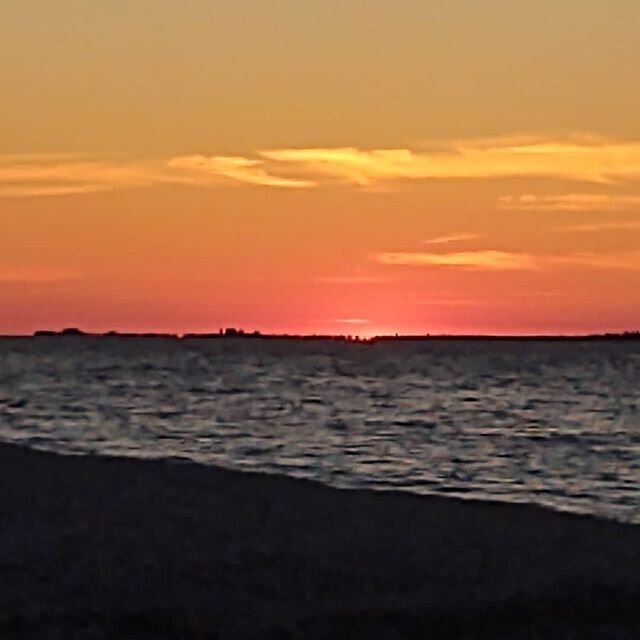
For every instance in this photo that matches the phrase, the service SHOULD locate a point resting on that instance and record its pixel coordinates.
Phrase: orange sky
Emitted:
(352, 167)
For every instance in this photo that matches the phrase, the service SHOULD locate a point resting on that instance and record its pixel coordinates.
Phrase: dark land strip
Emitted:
(103, 548)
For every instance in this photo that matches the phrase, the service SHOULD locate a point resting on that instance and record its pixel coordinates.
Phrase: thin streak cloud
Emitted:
(493, 260)
(570, 202)
(199, 170)
(455, 237)
(54, 174)
(486, 260)
(613, 225)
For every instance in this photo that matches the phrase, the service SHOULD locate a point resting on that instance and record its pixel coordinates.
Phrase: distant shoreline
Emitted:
(237, 334)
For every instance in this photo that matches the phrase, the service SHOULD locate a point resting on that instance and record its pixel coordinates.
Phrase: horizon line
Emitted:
(233, 333)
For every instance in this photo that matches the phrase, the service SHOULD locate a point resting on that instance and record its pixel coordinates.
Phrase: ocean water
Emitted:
(555, 423)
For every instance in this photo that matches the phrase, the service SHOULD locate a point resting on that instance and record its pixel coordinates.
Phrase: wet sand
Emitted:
(115, 548)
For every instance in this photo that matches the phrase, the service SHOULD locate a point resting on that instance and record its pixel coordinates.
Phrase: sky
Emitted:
(345, 166)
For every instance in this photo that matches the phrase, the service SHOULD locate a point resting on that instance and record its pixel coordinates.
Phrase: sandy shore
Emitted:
(113, 548)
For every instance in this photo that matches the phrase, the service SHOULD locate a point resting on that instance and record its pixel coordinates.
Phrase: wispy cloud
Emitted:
(199, 170)
(493, 260)
(454, 237)
(570, 202)
(355, 321)
(612, 225)
(59, 174)
(56, 174)
(37, 275)
(573, 157)
(583, 158)
(486, 260)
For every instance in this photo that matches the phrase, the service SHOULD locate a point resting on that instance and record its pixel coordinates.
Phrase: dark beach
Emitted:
(116, 548)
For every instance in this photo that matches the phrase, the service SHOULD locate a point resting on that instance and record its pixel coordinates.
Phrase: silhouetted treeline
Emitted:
(74, 332)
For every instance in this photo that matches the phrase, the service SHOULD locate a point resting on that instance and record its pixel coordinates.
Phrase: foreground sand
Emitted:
(112, 548)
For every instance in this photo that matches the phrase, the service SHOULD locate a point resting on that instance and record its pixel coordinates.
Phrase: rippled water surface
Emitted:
(551, 422)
